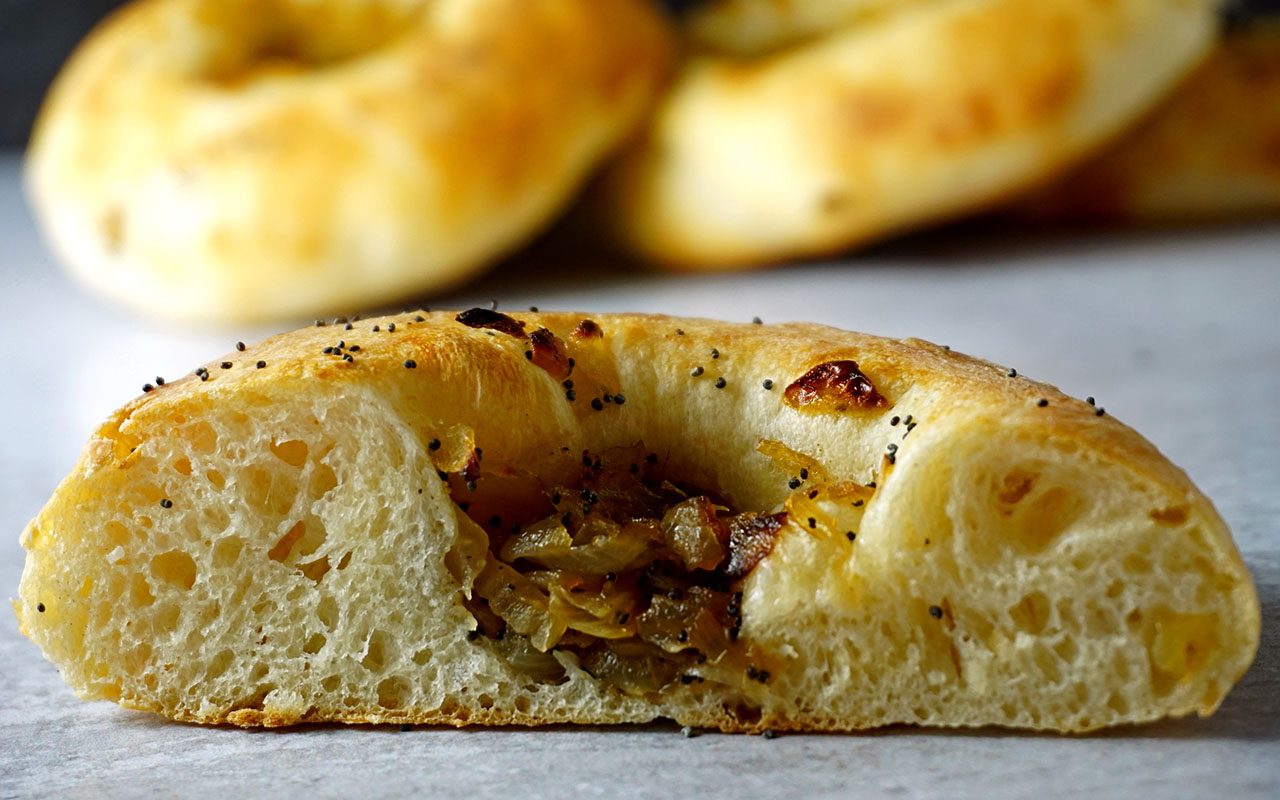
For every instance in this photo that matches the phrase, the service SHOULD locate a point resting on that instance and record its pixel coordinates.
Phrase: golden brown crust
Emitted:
(231, 160)
(437, 372)
(1211, 151)
(739, 168)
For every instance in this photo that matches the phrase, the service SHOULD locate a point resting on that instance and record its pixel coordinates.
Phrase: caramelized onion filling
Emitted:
(624, 574)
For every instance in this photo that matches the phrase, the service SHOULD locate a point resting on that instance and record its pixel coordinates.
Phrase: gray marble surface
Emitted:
(1177, 334)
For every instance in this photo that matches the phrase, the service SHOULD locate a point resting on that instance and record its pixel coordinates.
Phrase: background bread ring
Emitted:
(238, 160)
(1209, 152)
(900, 119)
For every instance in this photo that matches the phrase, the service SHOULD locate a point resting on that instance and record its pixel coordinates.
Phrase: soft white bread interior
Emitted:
(270, 541)
(857, 119)
(1210, 152)
(232, 159)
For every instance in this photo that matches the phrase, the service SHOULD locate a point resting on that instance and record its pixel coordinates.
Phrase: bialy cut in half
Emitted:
(478, 518)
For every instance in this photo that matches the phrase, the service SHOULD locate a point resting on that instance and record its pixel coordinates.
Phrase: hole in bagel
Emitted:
(284, 37)
(628, 572)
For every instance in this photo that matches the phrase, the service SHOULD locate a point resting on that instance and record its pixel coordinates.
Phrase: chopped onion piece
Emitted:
(469, 553)
(634, 667)
(520, 602)
(693, 621)
(610, 547)
(793, 462)
(695, 534)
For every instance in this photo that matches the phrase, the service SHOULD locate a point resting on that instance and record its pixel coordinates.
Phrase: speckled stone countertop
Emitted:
(1177, 334)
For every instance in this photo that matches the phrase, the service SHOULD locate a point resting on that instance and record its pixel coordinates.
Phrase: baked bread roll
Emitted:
(542, 518)
(1211, 152)
(895, 114)
(229, 160)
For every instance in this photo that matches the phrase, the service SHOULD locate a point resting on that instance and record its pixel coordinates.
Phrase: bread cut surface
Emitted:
(1210, 152)
(806, 129)
(296, 534)
(230, 160)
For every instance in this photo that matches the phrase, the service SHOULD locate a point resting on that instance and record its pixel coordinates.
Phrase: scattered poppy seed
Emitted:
(240, 346)
(40, 607)
(721, 383)
(935, 612)
(411, 364)
(225, 365)
(1042, 402)
(715, 353)
(794, 483)
(1012, 373)
(697, 371)
(159, 381)
(1091, 401)
(757, 321)
(433, 445)
(166, 503)
(1101, 411)
(850, 535)
(261, 364)
(768, 384)
(146, 387)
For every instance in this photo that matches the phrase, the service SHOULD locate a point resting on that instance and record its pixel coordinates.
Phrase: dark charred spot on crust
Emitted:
(833, 386)
(588, 329)
(488, 318)
(549, 354)
(751, 538)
